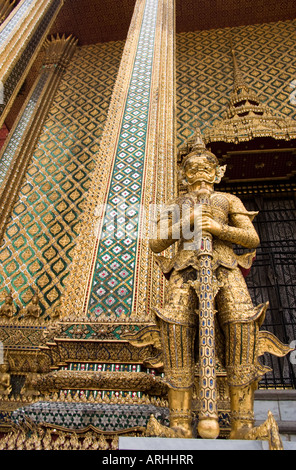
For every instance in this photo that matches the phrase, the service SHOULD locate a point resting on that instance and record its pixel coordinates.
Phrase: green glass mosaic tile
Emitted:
(112, 285)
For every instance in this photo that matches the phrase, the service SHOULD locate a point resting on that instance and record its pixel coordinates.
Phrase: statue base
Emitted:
(177, 445)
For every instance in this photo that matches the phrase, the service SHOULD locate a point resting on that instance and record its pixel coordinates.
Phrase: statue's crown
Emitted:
(198, 148)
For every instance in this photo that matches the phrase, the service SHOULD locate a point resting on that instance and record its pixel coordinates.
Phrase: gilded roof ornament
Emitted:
(246, 117)
(59, 50)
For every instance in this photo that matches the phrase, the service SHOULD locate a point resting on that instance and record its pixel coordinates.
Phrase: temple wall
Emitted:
(40, 237)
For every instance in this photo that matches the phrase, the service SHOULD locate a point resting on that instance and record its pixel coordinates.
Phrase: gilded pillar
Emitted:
(21, 37)
(16, 153)
(112, 276)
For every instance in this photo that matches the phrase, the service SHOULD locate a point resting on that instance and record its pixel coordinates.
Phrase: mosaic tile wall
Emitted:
(101, 416)
(39, 240)
(38, 243)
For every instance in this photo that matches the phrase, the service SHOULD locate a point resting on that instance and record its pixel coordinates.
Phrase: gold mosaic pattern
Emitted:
(267, 59)
(38, 243)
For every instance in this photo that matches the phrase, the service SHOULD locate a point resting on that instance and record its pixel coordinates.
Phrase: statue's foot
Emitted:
(155, 429)
(267, 431)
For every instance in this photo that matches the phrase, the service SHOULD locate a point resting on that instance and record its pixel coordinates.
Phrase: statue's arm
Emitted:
(240, 229)
(166, 232)
(241, 233)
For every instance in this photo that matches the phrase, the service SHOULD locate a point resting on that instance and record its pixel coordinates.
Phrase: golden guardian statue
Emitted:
(207, 293)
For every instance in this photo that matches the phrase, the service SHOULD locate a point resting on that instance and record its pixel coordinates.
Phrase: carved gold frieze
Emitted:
(30, 436)
(86, 380)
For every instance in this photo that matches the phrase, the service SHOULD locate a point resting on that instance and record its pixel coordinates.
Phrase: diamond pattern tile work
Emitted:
(38, 243)
(104, 417)
(80, 415)
(267, 58)
(112, 285)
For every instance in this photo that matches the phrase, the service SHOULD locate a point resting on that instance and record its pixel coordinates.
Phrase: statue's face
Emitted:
(198, 169)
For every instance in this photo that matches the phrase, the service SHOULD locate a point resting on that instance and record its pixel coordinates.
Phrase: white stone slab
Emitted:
(171, 444)
(289, 445)
(287, 410)
(261, 409)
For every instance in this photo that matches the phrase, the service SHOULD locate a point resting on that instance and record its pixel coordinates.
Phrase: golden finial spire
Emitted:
(238, 79)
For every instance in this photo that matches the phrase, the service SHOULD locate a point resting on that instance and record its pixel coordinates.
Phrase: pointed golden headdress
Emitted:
(197, 147)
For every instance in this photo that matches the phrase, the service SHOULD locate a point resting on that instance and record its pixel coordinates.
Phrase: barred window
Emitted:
(273, 279)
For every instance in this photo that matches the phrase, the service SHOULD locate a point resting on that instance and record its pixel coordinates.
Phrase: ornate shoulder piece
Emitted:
(238, 208)
(250, 214)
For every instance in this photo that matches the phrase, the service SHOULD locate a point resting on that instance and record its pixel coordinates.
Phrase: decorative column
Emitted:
(16, 153)
(21, 37)
(113, 276)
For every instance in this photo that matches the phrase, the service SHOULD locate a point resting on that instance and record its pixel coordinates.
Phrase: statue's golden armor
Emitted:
(233, 301)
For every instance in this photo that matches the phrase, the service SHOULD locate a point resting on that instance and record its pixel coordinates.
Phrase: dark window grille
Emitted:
(273, 279)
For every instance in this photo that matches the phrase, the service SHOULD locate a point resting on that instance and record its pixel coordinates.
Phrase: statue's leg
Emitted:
(240, 323)
(180, 405)
(177, 323)
(242, 410)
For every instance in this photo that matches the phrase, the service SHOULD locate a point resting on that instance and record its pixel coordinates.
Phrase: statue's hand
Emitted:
(208, 223)
(211, 225)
